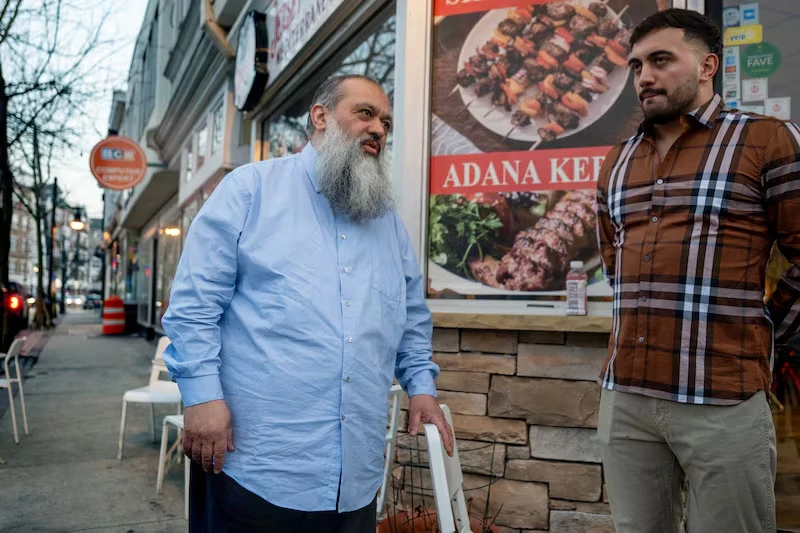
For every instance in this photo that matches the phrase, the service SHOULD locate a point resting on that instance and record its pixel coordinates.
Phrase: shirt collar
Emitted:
(309, 159)
(705, 115)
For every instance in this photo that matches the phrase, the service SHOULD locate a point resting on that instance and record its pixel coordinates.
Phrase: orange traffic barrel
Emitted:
(113, 316)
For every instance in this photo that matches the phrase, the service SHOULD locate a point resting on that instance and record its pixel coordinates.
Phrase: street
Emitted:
(64, 475)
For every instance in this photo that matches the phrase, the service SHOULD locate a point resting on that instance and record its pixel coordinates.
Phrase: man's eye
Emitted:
(366, 112)
(387, 126)
(661, 60)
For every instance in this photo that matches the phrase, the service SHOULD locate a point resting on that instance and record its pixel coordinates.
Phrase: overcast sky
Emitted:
(73, 172)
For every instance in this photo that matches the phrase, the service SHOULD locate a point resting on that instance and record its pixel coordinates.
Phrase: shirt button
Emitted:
(349, 339)
(344, 270)
(643, 298)
(655, 219)
(660, 181)
(344, 236)
(342, 418)
(347, 304)
(646, 258)
(641, 339)
(347, 379)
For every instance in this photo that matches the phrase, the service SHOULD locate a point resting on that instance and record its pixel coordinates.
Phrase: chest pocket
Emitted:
(387, 272)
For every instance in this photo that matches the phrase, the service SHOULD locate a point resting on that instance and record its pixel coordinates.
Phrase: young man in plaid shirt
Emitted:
(688, 211)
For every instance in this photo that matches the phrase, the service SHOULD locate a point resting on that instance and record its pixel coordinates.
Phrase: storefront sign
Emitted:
(118, 163)
(760, 60)
(780, 108)
(523, 116)
(250, 77)
(730, 17)
(754, 90)
(731, 79)
(748, 14)
(291, 23)
(744, 35)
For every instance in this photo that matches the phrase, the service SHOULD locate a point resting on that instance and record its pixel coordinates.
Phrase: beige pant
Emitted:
(726, 453)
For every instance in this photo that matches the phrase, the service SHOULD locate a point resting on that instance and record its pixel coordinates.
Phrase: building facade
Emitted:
(518, 375)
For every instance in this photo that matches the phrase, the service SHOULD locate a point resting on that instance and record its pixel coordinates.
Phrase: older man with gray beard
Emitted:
(296, 302)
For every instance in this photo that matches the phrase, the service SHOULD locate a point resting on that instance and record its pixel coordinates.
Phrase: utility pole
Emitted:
(62, 305)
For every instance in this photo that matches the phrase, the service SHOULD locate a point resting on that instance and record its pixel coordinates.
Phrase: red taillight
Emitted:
(14, 302)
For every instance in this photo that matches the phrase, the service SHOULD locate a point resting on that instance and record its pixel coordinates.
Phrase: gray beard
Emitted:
(356, 184)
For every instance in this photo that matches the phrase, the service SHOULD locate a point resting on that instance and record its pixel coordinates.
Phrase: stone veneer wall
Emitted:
(534, 394)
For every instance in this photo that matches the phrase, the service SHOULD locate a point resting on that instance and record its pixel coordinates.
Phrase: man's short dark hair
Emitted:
(330, 93)
(696, 27)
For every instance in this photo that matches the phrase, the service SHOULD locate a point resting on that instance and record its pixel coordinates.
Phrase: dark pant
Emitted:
(218, 504)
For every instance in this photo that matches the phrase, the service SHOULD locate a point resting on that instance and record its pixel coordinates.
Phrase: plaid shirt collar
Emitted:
(705, 115)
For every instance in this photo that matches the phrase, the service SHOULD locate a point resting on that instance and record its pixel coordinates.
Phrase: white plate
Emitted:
(499, 121)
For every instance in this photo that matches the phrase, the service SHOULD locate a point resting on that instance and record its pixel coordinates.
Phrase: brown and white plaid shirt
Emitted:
(685, 243)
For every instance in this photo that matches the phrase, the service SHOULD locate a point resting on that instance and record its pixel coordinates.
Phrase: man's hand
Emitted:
(208, 434)
(423, 408)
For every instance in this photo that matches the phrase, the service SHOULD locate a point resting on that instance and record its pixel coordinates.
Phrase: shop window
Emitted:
(189, 162)
(145, 280)
(373, 56)
(217, 127)
(202, 145)
(169, 251)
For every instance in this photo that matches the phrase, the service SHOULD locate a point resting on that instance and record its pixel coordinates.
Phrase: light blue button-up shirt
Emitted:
(299, 319)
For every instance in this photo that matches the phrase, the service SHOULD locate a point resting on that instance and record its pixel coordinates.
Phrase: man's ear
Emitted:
(319, 117)
(709, 67)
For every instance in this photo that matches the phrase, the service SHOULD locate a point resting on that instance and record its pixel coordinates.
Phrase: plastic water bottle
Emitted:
(577, 280)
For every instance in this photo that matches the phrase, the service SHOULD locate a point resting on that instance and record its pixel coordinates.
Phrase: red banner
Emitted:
(445, 8)
(545, 170)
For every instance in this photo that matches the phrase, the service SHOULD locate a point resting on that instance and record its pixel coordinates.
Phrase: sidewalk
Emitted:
(64, 475)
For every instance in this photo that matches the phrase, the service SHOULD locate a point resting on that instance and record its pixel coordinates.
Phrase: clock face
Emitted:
(245, 63)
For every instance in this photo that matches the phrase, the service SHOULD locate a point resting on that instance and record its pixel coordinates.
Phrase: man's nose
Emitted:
(646, 78)
(376, 128)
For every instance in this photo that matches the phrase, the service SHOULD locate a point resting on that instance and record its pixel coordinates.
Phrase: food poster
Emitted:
(527, 99)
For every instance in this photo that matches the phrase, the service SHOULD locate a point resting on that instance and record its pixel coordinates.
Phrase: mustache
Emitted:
(647, 93)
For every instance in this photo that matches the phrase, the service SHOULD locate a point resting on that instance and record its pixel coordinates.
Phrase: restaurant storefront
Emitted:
(476, 164)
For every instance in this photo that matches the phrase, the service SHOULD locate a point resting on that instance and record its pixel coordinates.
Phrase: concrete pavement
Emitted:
(64, 475)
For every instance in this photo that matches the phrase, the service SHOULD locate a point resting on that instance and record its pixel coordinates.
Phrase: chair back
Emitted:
(391, 442)
(159, 366)
(447, 480)
(13, 353)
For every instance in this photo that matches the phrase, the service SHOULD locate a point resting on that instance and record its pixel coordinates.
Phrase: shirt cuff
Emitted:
(200, 389)
(421, 383)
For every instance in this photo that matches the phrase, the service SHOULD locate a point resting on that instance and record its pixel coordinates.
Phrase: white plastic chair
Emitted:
(157, 391)
(166, 455)
(391, 442)
(447, 481)
(8, 381)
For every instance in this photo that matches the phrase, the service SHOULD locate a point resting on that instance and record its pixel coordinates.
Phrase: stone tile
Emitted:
(563, 505)
(489, 340)
(542, 337)
(524, 505)
(596, 340)
(490, 429)
(574, 522)
(476, 362)
(563, 362)
(445, 340)
(565, 444)
(518, 452)
(567, 481)
(593, 508)
(463, 381)
(547, 402)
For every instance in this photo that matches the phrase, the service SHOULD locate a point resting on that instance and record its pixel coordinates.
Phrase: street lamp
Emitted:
(77, 224)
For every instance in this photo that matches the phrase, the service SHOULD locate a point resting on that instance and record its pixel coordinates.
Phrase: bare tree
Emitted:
(51, 54)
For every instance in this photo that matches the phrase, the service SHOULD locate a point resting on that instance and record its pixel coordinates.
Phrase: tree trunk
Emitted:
(6, 183)
(42, 317)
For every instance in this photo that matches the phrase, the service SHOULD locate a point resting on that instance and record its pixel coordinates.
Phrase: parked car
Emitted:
(15, 304)
(93, 301)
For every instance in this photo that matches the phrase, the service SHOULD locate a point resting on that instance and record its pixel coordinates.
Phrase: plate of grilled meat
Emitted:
(544, 71)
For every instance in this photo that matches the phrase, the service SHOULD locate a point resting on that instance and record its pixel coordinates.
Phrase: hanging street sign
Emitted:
(118, 163)
(250, 73)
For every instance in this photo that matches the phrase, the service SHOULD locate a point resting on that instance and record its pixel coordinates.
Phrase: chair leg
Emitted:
(22, 401)
(153, 421)
(122, 429)
(162, 457)
(186, 490)
(13, 414)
